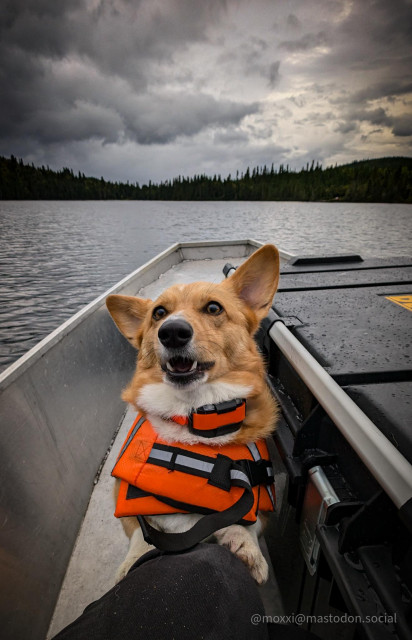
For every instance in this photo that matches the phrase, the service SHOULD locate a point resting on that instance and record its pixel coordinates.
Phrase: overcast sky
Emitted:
(150, 89)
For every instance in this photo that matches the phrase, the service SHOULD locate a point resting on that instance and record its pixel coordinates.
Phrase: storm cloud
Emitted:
(148, 89)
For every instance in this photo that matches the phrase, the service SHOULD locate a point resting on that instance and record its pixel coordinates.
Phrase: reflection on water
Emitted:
(57, 256)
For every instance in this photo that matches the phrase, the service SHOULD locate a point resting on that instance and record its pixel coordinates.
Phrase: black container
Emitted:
(354, 316)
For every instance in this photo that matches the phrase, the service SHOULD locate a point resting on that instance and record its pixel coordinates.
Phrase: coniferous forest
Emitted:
(379, 180)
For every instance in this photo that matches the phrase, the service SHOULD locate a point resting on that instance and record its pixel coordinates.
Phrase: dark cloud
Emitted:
(375, 36)
(402, 126)
(346, 127)
(274, 73)
(399, 125)
(306, 42)
(293, 21)
(162, 119)
(148, 119)
(108, 31)
(251, 58)
(386, 89)
(179, 82)
(75, 74)
(119, 38)
(377, 116)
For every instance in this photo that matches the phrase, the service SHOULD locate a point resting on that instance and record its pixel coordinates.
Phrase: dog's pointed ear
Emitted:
(128, 313)
(256, 280)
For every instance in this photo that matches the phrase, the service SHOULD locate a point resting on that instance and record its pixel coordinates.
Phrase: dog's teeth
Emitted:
(194, 365)
(169, 366)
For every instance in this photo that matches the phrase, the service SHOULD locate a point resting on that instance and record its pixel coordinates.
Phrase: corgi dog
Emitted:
(196, 347)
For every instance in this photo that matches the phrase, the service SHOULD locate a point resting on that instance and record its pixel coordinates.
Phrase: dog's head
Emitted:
(201, 333)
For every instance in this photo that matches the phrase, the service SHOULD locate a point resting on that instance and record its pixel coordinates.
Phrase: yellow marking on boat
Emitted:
(403, 301)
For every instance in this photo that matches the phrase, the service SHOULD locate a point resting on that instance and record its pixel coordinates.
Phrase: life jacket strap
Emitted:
(208, 524)
(254, 450)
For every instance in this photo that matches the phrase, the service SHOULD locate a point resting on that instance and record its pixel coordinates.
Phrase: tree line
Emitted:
(378, 180)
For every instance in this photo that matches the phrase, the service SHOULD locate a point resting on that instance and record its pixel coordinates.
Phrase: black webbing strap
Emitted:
(216, 469)
(206, 526)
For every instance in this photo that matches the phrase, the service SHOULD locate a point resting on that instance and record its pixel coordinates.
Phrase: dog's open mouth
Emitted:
(185, 370)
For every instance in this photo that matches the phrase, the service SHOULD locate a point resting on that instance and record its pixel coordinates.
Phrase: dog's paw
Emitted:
(237, 539)
(260, 570)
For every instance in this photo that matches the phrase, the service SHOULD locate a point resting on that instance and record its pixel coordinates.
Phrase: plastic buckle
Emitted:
(256, 471)
(220, 407)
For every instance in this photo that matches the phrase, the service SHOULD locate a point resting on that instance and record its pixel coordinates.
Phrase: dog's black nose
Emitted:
(174, 334)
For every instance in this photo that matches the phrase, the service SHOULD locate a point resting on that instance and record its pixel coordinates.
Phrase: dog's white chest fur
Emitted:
(162, 401)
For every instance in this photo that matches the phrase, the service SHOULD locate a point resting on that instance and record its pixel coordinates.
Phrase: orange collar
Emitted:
(213, 420)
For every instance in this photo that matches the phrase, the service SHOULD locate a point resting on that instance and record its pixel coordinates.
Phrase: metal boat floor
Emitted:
(101, 544)
(100, 547)
(188, 271)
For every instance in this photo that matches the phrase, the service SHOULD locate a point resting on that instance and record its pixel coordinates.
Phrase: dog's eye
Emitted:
(213, 308)
(159, 313)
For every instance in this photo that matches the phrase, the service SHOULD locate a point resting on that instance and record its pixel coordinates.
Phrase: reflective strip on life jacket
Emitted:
(174, 458)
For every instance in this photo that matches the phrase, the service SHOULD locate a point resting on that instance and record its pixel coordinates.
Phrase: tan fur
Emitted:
(225, 339)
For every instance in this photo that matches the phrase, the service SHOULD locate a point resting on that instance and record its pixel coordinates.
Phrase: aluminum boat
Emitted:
(337, 344)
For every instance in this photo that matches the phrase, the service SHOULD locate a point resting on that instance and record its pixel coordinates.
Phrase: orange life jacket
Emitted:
(228, 483)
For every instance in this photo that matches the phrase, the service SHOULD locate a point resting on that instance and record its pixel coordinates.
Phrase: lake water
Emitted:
(56, 257)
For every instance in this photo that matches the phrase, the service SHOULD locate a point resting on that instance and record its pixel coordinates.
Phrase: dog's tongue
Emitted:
(180, 365)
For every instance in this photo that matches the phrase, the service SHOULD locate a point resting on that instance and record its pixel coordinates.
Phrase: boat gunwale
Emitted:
(386, 463)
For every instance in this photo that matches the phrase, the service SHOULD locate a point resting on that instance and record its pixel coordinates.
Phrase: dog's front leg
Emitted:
(137, 547)
(243, 542)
